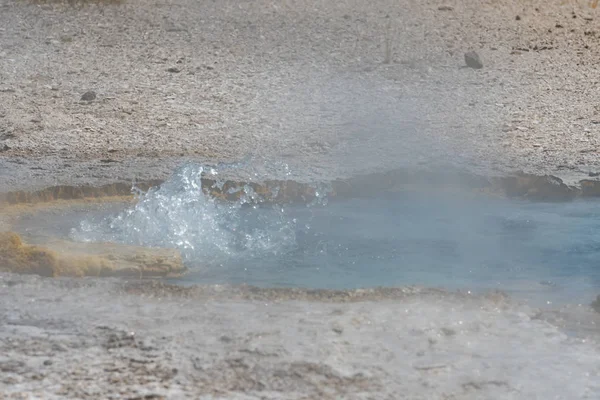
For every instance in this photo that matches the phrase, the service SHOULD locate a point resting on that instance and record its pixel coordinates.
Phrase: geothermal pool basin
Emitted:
(542, 252)
(410, 305)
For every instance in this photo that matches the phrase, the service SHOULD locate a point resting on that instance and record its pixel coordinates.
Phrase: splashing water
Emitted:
(546, 251)
(207, 231)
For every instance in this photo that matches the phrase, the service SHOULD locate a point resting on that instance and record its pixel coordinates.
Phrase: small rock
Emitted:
(337, 329)
(48, 362)
(596, 304)
(518, 18)
(472, 60)
(225, 339)
(445, 8)
(448, 331)
(174, 70)
(89, 96)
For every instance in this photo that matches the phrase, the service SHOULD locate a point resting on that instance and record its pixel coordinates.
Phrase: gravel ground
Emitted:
(325, 90)
(90, 339)
(330, 88)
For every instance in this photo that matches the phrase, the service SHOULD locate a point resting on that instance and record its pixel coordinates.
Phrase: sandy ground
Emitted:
(90, 339)
(329, 88)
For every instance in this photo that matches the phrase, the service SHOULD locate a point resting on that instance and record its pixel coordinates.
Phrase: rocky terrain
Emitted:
(102, 92)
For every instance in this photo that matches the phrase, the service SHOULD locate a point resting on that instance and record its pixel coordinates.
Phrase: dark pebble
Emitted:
(473, 61)
(89, 96)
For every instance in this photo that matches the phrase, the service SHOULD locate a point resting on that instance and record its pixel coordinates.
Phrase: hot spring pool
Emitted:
(544, 252)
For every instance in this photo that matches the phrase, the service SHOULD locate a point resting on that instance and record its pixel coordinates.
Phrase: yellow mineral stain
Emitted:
(63, 258)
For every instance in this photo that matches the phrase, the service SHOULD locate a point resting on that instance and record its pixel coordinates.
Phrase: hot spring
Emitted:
(543, 252)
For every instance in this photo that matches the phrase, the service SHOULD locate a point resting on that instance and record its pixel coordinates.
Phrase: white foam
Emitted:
(178, 214)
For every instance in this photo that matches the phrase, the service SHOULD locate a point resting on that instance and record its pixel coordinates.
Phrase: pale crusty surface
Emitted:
(93, 338)
(309, 83)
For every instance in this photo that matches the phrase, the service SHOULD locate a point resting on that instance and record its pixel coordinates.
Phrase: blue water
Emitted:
(426, 239)
(550, 251)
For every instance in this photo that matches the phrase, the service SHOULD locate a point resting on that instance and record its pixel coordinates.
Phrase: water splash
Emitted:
(180, 214)
(546, 253)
